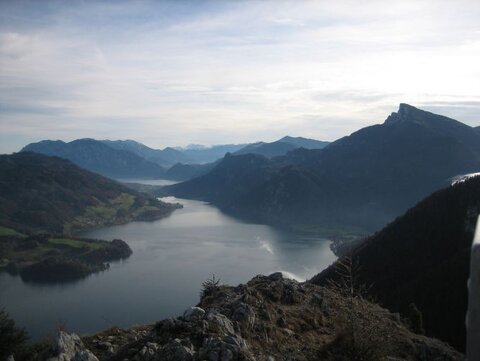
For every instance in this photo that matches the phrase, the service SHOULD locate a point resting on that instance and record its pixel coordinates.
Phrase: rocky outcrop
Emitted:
(69, 347)
(193, 314)
(272, 318)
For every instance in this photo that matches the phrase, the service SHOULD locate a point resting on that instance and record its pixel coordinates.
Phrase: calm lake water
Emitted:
(171, 258)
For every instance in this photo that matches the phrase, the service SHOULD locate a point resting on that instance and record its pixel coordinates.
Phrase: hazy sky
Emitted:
(179, 72)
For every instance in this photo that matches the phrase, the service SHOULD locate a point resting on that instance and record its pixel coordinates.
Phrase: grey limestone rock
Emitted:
(176, 350)
(193, 314)
(69, 347)
(275, 276)
(221, 322)
(244, 314)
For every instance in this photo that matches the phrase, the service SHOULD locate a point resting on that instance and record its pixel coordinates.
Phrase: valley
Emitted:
(361, 181)
(45, 201)
(241, 180)
(264, 208)
(170, 260)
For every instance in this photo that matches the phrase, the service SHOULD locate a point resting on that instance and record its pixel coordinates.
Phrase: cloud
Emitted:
(172, 73)
(467, 110)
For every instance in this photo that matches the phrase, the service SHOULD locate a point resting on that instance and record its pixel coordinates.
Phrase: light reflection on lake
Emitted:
(152, 182)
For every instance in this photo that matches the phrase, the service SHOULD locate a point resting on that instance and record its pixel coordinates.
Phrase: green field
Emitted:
(75, 243)
(53, 246)
(4, 231)
(121, 209)
(102, 213)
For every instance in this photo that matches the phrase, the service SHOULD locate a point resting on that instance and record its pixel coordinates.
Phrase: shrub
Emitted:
(414, 319)
(12, 339)
(209, 286)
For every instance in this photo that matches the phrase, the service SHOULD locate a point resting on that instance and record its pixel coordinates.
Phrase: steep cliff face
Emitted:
(271, 318)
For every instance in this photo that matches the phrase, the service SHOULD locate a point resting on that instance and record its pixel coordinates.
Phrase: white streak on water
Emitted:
(169, 199)
(264, 244)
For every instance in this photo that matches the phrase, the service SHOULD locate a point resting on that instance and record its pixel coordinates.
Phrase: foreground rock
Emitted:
(68, 347)
(272, 318)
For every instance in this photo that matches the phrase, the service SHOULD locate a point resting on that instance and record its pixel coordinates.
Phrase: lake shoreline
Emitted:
(44, 258)
(171, 258)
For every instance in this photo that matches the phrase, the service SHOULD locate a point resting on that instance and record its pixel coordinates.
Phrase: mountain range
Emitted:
(423, 258)
(418, 265)
(361, 181)
(98, 157)
(128, 159)
(202, 155)
(165, 158)
(281, 146)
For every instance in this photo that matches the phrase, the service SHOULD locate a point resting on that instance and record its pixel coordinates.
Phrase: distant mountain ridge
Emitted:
(165, 158)
(307, 143)
(129, 159)
(363, 180)
(281, 146)
(201, 155)
(268, 150)
(100, 158)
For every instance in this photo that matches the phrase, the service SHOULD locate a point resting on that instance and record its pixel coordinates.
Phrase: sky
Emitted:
(171, 73)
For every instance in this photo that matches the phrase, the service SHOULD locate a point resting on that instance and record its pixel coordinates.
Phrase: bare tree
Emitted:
(357, 337)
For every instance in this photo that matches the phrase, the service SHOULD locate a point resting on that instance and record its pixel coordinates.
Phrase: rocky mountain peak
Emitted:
(405, 113)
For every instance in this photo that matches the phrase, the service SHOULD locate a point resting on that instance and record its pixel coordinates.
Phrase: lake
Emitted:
(171, 258)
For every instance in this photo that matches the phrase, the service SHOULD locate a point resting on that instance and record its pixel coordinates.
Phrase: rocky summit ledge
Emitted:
(269, 318)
